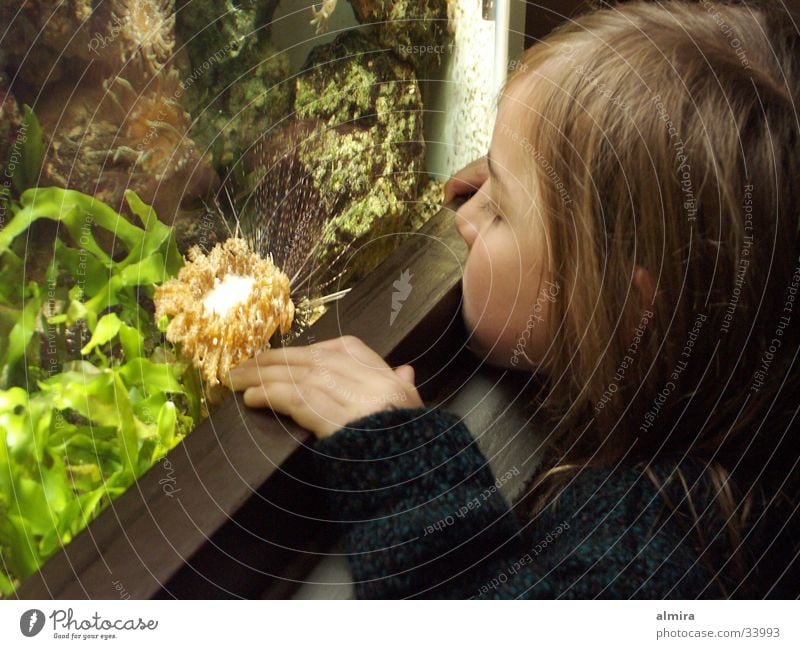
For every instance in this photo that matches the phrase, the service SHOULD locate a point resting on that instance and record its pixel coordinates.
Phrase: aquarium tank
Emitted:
(152, 151)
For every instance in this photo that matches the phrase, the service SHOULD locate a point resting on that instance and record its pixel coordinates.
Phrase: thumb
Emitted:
(406, 373)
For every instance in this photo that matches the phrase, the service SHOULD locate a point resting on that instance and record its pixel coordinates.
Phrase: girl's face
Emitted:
(506, 290)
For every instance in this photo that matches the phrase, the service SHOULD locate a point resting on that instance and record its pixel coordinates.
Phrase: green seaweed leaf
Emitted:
(29, 142)
(75, 437)
(106, 329)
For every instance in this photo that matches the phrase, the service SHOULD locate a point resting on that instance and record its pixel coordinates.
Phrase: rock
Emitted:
(45, 39)
(416, 30)
(367, 160)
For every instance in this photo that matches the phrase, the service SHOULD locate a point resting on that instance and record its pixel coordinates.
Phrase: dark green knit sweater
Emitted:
(426, 519)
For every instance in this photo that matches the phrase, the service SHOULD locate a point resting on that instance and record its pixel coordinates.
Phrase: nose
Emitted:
(466, 229)
(470, 219)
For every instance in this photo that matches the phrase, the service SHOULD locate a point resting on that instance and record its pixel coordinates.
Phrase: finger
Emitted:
(353, 348)
(244, 377)
(312, 410)
(467, 180)
(300, 355)
(308, 354)
(405, 373)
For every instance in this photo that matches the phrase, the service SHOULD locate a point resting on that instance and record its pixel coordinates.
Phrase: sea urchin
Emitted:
(225, 307)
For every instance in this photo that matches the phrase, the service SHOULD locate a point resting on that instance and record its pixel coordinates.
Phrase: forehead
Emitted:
(527, 93)
(511, 146)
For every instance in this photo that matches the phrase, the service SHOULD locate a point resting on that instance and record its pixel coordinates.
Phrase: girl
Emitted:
(645, 163)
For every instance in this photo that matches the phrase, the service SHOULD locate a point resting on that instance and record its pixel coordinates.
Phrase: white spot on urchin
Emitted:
(226, 294)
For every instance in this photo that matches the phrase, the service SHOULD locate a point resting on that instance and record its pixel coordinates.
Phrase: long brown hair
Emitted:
(665, 136)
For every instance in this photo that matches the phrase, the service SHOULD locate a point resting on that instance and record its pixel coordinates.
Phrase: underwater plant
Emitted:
(91, 395)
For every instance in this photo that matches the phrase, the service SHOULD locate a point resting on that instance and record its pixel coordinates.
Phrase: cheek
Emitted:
(490, 290)
(500, 307)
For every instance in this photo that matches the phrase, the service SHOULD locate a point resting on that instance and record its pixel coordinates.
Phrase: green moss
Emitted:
(368, 165)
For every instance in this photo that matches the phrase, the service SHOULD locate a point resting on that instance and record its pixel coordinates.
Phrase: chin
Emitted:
(487, 349)
(498, 353)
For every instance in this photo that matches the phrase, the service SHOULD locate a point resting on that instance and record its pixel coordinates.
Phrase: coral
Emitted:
(219, 337)
(142, 35)
(54, 41)
(121, 125)
(367, 162)
(113, 137)
(285, 212)
(405, 25)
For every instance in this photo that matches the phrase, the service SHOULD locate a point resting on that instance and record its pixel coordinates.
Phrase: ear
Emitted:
(643, 281)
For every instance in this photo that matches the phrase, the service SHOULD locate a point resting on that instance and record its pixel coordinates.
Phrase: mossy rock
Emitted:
(416, 30)
(367, 159)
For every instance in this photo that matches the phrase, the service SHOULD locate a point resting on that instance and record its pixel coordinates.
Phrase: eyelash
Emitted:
(489, 208)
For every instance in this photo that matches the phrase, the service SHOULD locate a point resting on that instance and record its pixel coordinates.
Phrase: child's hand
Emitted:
(326, 385)
(468, 180)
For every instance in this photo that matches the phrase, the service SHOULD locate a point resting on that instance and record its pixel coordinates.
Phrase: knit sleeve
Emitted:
(417, 499)
(423, 517)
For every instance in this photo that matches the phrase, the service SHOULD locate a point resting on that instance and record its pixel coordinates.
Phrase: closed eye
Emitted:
(490, 209)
